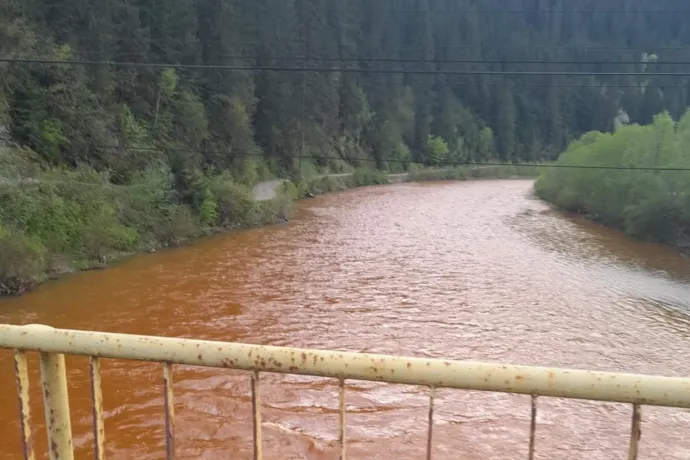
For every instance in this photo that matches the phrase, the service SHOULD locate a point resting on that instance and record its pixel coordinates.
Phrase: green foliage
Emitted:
(366, 176)
(646, 204)
(22, 262)
(320, 185)
(177, 227)
(52, 139)
(208, 210)
(62, 219)
(437, 150)
(278, 209)
(418, 174)
(290, 189)
(236, 205)
(486, 143)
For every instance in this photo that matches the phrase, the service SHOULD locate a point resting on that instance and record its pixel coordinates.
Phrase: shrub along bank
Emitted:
(54, 221)
(629, 192)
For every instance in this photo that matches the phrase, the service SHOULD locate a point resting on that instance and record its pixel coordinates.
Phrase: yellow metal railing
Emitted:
(54, 344)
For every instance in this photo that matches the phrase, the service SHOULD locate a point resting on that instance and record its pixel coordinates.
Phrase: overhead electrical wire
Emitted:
(529, 10)
(448, 61)
(339, 69)
(301, 59)
(446, 163)
(640, 48)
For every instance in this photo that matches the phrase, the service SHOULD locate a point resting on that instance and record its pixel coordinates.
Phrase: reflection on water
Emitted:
(475, 270)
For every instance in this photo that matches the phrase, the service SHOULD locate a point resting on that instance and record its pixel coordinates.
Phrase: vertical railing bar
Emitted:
(533, 428)
(21, 371)
(256, 410)
(341, 400)
(432, 396)
(97, 408)
(636, 432)
(56, 402)
(169, 411)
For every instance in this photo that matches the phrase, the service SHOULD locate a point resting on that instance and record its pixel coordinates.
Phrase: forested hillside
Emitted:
(125, 124)
(97, 114)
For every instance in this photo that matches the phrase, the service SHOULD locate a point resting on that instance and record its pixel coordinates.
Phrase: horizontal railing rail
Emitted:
(54, 344)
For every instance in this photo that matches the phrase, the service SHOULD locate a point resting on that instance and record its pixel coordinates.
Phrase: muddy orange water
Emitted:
(474, 270)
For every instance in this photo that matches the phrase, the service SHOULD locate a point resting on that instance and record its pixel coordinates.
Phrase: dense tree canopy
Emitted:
(232, 119)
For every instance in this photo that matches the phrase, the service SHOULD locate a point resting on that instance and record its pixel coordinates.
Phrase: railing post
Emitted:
(341, 424)
(532, 428)
(97, 403)
(169, 411)
(256, 411)
(429, 439)
(636, 432)
(56, 401)
(21, 369)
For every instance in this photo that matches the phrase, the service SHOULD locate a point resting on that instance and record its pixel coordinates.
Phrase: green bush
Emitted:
(23, 261)
(290, 189)
(236, 204)
(146, 203)
(647, 204)
(98, 241)
(365, 176)
(178, 227)
(321, 185)
(208, 212)
(278, 209)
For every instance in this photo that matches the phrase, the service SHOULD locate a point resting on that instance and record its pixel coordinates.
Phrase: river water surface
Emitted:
(466, 270)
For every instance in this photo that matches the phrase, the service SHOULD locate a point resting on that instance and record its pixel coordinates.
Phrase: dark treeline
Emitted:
(103, 158)
(70, 114)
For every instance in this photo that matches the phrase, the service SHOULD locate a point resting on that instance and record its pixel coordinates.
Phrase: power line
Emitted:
(468, 47)
(453, 61)
(421, 61)
(527, 10)
(566, 47)
(447, 163)
(584, 85)
(343, 70)
(403, 71)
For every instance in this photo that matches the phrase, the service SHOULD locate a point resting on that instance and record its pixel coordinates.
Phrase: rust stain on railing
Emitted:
(53, 344)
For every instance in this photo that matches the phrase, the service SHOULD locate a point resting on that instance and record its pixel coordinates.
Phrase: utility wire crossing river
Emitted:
(466, 270)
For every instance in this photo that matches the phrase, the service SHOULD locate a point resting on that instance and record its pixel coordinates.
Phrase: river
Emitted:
(464, 270)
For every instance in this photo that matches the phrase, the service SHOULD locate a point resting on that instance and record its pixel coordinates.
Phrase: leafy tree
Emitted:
(437, 150)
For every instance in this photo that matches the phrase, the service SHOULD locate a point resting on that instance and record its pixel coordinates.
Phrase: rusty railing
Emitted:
(54, 344)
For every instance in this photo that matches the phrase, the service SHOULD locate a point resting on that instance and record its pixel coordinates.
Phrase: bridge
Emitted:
(53, 344)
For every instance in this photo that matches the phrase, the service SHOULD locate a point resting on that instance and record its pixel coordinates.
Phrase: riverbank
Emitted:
(339, 182)
(80, 221)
